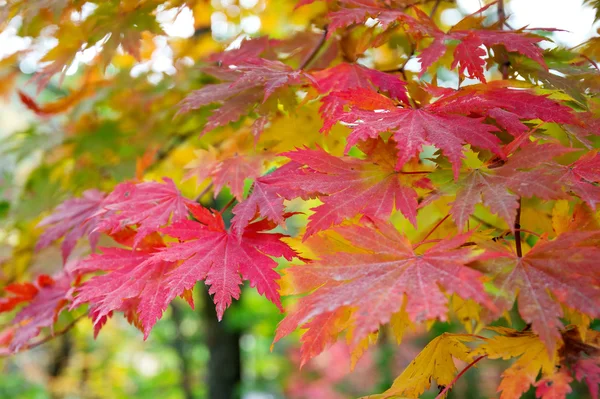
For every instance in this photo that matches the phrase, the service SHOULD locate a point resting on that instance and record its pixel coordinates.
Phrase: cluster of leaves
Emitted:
(463, 202)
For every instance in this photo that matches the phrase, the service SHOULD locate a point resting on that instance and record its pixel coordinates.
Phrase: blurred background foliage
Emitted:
(112, 118)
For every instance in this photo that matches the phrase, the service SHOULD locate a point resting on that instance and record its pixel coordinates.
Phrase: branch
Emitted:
(311, 57)
(42, 341)
(449, 386)
(518, 231)
(505, 62)
(164, 153)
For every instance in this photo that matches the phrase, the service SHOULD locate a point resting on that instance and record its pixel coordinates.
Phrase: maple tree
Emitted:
(398, 199)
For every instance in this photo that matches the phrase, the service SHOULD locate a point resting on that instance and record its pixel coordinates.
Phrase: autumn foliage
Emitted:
(408, 201)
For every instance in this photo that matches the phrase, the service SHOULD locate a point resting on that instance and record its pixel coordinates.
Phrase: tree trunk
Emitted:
(179, 343)
(224, 365)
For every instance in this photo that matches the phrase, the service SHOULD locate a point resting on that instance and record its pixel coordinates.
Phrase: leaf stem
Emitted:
(415, 172)
(438, 224)
(518, 231)
(449, 386)
(228, 204)
(311, 57)
(529, 232)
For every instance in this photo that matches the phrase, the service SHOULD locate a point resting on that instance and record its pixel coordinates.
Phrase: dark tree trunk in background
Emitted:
(224, 365)
(180, 345)
(60, 359)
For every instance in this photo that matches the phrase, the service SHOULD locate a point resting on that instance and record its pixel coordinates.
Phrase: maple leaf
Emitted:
(267, 198)
(507, 106)
(589, 369)
(209, 252)
(435, 361)
(468, 54)
(532, 354)
(499, 188)
(579, 177)
(131, 284)
(250, 48)
(357, 11)
(148, 205)
(229, 171)
(350, 76)
(249, 84)
(374, 272)
(555, 386)
(72, 220)
(580, 354)
(46, 299)
(413, 128)
(19, 293)
(322, 332)
(561, 271)
(347, 186)
(354, 186)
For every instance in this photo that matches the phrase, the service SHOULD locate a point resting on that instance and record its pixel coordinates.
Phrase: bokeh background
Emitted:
(40, 165)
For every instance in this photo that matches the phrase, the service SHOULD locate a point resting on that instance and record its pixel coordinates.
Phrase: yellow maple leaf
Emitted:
(436, 362)
(399, 322)
(532, 356)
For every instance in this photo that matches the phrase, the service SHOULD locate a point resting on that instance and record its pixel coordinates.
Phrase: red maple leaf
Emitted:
(350, 186)
(468, 54)
(18, 294)
(561, 271)
(229, 171)
(499, 188)
(507, 106)
(207, 251)
(376, 272)
(555, 386)
(72, 220)
(133, 283)
(589, 369)
(46, 299)
(357, 11)
(347, 186)
(412, 128)
(349, 76)
(248, 49)
(148, 205)
(249, 84)
(579, 178)
(266, 198)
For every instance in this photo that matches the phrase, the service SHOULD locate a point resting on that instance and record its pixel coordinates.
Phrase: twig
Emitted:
(480, 220)
(434, 9)
(311, 57)
(518, 231)
(590, 61)
(415, 172)
(203, 192)
(162, 154)
(449, 386)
